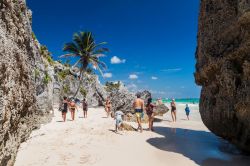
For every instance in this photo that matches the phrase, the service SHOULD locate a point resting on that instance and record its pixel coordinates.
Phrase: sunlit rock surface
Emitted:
(223, 68)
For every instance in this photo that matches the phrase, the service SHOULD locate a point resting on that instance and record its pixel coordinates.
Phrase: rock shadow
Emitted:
(204, 148)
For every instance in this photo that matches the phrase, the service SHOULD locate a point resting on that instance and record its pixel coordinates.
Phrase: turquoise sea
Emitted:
(184, 100)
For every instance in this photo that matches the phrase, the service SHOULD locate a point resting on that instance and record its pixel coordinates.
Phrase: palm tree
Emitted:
(87, 52)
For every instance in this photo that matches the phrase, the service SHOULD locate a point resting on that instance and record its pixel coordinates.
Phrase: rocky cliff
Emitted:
(223, 68)
(19, 109)
(30, 80)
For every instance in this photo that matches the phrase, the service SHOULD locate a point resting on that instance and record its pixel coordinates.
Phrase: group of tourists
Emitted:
(138, 106)
(70, 104)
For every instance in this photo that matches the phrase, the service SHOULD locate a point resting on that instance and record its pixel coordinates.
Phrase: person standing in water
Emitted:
(85, 108)
(187, 110)
(139, 107)
(108, 106)
(64, 108)
(72, 107)
(173, 110)
(150, 112)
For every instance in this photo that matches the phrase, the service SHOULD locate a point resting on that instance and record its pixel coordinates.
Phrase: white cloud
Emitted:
(154, 78)
(131, 86)
(171, 70)
(117, 60)
(107, 75)
(133, 76)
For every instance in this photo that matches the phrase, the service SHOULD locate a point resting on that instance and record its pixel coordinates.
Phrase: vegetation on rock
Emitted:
(83, 91)
(63, 74)
(112, 86)
(47, 78)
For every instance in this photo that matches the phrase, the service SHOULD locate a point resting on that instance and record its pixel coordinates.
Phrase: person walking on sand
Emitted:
(85, 108)
(108, 106)
(139, 107)
(72, 107)
(150, 112)
(64, 108)
(173, 110)
(187, 110)
(118, 120)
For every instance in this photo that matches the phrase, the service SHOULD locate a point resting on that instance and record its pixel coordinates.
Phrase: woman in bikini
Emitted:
(64, 108)
(173, 110)
(150, 112)
(72, 108)
(108, 106)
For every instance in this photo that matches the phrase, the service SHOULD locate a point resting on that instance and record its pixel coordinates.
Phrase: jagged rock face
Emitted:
(223, 68)
(160, 110)
(122, 99)
(95, 92)
(19, 113)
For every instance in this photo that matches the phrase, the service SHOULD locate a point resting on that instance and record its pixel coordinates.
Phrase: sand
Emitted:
(93, 142)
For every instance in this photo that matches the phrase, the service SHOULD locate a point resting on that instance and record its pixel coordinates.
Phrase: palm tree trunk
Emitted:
(79, 85)
(82, 70)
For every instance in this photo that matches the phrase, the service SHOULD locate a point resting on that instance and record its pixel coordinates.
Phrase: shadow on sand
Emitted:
(115, 132)
(204, 148)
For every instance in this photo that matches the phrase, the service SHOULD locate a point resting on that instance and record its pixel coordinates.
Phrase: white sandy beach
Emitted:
(92, 142)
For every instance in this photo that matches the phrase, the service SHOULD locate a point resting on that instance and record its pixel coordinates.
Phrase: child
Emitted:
(119, 120)
(187, 111)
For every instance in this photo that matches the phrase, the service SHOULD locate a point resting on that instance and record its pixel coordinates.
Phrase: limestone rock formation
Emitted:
(223, 68)
(19, 110)
(160, 110)
(90, 86)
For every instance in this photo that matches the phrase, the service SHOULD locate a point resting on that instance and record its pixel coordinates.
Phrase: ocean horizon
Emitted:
(181, 100)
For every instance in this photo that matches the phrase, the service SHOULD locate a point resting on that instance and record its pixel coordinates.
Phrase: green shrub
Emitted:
(43, 50)
(66, 88)
(111, 86)
(37, 73)
(50, 60)
(83, 92)
(33, 36)
(62, 74)
(46, 78)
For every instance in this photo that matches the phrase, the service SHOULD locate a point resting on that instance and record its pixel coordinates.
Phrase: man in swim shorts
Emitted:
(139, 107)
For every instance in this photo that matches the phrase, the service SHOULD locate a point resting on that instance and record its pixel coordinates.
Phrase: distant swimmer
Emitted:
(173, 110)
(187, 110)
(139, 107)
(150, 112)
(108, 106)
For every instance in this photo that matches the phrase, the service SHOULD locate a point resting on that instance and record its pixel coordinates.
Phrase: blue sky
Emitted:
(152, 42)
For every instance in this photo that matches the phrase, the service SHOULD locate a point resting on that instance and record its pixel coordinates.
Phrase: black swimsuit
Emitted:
(65, 107)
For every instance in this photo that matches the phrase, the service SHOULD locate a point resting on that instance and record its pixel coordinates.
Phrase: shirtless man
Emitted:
(139, 107)
(108, 106)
